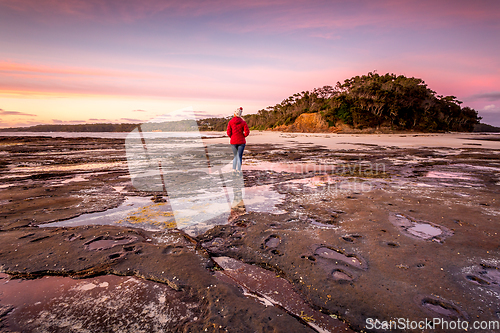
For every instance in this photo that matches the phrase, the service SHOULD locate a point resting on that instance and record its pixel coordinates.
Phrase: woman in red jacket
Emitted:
(237, 130)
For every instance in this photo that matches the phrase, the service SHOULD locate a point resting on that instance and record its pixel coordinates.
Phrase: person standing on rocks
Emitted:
(237, 130)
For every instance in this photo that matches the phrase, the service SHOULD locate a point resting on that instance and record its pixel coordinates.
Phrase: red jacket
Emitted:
(237, 130)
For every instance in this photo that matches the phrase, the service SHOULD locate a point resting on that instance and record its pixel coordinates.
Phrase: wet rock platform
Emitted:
(334, 237)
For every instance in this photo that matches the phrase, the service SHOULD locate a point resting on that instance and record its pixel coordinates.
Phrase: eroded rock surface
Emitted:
(376, 232)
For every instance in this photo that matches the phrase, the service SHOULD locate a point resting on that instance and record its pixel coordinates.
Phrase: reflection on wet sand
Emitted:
(139, 212)
(238, 205)
(156, 213)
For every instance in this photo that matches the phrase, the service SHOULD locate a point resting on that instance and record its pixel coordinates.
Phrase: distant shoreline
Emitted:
(109, 135)
(190, 126)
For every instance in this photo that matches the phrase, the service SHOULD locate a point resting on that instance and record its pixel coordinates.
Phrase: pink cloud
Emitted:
(205, 114)
(68, 122)
(6, 124)
(278, 15)
(488, 96)
(132, 120)
(128, 10)
(200, 81)
(30, 70)
(324, 19)
(15, 113)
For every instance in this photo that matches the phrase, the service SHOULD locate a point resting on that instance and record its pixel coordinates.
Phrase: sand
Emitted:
(353, 141)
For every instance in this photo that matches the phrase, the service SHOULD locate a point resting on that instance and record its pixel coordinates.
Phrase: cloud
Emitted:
(28, 123)
(180, 80)
(132, 120)
(118, 11)
(489, 96)
(161, 118)
(325, 18)
(68, 122)
(490, 114)
(490, 118)
(260, 14)
(18, 68)
(204, 114)
(15, 113)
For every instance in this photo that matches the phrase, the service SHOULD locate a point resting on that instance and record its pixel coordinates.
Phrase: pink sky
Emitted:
(76, 61)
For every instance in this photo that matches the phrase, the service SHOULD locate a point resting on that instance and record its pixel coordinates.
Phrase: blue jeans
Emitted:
(238, 156)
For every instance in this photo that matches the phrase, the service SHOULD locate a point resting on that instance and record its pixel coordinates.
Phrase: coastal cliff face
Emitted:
(315, 123)
(306, 123)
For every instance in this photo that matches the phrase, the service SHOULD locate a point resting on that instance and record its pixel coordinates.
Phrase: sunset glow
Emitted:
(84, 61)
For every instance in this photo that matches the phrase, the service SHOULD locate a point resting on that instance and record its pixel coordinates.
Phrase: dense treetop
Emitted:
(373, 101)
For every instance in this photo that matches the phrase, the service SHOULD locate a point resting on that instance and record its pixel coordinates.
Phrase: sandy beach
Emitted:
(353, 141)
(323, 233)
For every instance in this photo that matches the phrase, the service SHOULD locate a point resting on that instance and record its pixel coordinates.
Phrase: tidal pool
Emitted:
(420, 229)
(139, 212)
(190, 212)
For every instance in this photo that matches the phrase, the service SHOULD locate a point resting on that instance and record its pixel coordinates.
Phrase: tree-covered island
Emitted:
(372, 101)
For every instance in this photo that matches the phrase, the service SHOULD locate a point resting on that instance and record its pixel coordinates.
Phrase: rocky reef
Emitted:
(323, 240)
